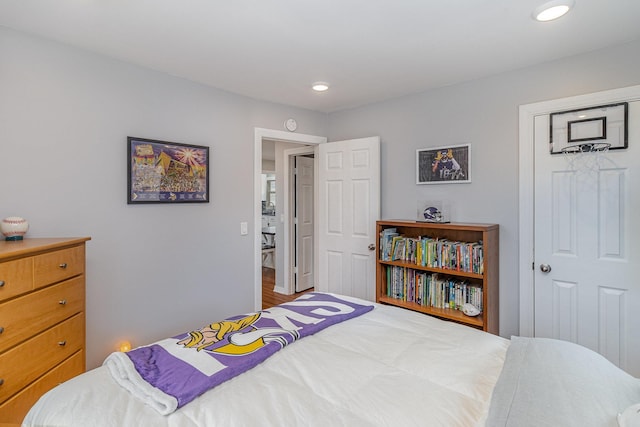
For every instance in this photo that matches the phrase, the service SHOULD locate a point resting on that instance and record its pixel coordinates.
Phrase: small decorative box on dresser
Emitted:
(42, 319)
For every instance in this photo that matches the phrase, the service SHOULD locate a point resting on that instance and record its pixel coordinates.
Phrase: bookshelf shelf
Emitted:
(444, 271)
(458, 233)
(443, 313)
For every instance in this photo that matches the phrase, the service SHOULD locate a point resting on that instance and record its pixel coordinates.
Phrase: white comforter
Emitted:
(389, 367)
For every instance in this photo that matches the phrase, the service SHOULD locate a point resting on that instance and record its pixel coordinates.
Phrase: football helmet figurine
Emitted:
(432, 214)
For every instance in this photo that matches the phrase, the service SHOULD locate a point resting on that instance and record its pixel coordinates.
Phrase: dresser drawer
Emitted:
(24, 363)
(16, 277)
(14, 410)
(30, 314)
(56, 266)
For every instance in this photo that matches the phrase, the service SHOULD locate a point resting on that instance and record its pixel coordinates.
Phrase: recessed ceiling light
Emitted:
(320, 86)
(552, 10)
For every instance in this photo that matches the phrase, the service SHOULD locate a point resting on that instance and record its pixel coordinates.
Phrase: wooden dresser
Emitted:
(42, 319)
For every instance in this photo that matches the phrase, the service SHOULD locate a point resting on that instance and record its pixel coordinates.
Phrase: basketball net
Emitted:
(587, 157)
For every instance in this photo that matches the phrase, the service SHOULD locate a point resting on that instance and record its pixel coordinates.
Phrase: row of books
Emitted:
(432, 252)
(431, 289)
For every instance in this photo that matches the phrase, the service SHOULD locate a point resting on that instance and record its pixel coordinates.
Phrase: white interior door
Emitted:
(588, 234)
(304, 223)
(349, 205)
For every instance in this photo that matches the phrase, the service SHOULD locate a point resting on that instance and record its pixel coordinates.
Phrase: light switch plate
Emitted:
(244, 229)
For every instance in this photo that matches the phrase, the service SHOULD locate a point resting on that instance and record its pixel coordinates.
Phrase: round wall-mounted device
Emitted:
(291, 125)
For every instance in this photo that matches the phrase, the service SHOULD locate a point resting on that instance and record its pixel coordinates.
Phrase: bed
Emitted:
(386, 367)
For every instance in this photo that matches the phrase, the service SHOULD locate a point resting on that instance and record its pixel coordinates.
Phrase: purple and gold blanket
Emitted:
(171, 373)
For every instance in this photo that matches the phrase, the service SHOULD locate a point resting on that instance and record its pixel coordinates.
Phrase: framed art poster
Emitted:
(166, 172)
(446, 164)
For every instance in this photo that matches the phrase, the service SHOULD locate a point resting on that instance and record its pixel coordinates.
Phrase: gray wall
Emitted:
(159, 270)
(154, 270)
(485, 114)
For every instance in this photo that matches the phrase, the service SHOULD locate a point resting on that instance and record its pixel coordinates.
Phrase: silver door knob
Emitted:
(545, 268)
(372, 247)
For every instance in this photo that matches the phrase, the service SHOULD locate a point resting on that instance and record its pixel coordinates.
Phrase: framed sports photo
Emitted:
(448, 164)
(166, 172)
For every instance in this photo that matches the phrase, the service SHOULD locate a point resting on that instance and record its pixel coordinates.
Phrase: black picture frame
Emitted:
(166, 172)
(605, 125)
(448, 164)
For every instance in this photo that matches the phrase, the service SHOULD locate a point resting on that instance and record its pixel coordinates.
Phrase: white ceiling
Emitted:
(368, 50)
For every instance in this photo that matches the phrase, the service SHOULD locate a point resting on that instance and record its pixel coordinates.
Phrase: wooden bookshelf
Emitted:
(488, 320)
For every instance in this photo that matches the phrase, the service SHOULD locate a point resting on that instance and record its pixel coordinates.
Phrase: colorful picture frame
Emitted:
(166, 172)
(449, 164)
(603, 125)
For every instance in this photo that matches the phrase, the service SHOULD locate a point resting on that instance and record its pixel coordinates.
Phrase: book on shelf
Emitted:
(398, 249)
(431, 289)
(432, 252)
(386, 243)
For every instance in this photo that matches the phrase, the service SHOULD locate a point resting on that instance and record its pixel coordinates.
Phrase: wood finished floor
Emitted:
(270, 298)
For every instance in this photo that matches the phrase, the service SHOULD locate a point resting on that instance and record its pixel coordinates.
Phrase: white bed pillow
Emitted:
(630, 417)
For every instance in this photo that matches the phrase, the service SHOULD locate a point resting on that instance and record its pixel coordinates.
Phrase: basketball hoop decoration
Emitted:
(586, 157)
(588, 147)
(589, 130)
(585, 136)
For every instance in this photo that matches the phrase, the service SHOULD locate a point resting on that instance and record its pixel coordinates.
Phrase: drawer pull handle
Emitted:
(1, 283)
(1, 381)
(63, 265)
(62, 302)
(1, 329)
(62, 343)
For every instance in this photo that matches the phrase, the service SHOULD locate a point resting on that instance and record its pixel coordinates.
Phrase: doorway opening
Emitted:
(282, 218)
(299, 264)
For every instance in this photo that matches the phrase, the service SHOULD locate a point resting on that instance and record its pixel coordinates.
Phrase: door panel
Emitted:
(583, 231)
(564, 213)
(349, 198)
(334, 208)
(304, 278)
(611, 321)
(564, 320)
(611, 222)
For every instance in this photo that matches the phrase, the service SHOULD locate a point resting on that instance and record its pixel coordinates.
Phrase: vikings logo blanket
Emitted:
(170, 373)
